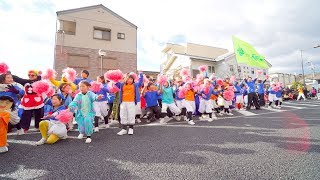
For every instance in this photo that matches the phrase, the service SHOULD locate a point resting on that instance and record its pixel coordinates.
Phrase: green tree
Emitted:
(295, 85)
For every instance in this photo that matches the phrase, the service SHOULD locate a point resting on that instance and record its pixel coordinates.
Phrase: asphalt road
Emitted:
(256, 144)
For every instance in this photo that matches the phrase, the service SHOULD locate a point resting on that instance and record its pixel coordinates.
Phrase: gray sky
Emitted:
(276, 28)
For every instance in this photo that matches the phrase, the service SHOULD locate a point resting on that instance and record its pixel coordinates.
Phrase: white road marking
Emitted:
(247, 113)
(295, 107)
(26, 142)
(24, 173)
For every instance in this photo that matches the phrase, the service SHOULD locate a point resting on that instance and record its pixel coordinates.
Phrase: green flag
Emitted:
(245, 53)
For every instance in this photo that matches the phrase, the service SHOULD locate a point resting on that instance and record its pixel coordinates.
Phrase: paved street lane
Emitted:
(264, 144)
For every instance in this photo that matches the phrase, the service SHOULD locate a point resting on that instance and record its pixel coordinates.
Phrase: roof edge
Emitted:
(94, 7)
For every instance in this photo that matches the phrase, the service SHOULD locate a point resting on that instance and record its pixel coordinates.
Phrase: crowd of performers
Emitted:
(126, 99)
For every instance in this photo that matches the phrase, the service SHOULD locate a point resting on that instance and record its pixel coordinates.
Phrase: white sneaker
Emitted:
(213, 118)
(202, 118)
(229, 114)
(20, 132)
(178, 118)
(269, 107)
(80, 136)
(88, 140)
(130, 132)
(138, 120)
(107, 126)
(166, 119)
(65, 137)
(148, 121)
(3, 149)
(191, 122)
(41, 142)
(96, 129)
(122, 132)
(163, 121)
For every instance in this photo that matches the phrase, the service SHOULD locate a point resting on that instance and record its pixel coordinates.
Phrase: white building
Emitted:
(191, 56)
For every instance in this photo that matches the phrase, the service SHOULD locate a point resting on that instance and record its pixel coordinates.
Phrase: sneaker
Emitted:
(191, 122)
(41, 142)
(229, 114)
(269, 107)
(148, 121)
(96, 129)
(138, 120)
(178, 118)
(163, 121)
(80, 136)
(130, 132)
(213, 118)
(88, 140)
(20, 132)
(220, 114)
(122, 132)
(107, 126)
(65, 137)
(203, 118)
(3, 149)
(25, 131)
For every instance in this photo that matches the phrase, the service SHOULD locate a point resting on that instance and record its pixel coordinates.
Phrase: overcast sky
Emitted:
(276, 28)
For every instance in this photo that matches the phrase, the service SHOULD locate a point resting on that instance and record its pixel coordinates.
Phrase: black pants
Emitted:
(252, 97)
(110, 110)
(153, 111)
(27, 115)
(261, 100)
(160, 102)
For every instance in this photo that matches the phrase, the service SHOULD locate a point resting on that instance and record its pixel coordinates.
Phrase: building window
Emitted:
(231, 68)
(102, 33)
(68, 27)
(264, 72)
(252, 70)
(239, 69)
(211, 69)
(121, 36)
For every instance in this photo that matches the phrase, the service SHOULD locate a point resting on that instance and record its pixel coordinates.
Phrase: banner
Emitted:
(246, 54)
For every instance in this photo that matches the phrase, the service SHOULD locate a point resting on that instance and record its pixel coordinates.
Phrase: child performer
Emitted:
(167, 102)
(129, 96)
(6, 103)
(50, 128)
(83, 102)
(205, 101)
(151, 93)
(101, 106)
